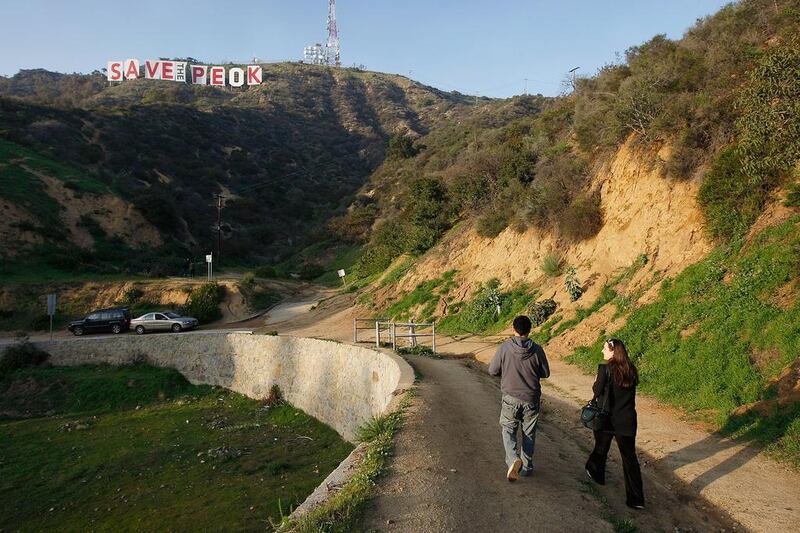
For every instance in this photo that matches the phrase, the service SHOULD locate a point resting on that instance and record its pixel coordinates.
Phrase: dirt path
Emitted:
(449, 474)
(694, 479)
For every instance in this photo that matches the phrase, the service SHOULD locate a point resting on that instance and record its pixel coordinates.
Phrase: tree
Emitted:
(401, 147)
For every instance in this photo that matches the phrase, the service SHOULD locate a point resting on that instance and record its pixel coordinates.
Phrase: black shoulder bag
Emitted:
(595, 417)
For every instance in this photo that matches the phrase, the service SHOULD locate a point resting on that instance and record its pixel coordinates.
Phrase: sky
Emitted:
(485, 47)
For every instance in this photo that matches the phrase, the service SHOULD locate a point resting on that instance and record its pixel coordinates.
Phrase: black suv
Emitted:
(114, 320)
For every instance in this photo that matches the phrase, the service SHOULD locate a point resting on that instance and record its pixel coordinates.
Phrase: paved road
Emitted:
(46, 338)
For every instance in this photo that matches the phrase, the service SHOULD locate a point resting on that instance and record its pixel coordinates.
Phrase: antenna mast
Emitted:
(333, 48)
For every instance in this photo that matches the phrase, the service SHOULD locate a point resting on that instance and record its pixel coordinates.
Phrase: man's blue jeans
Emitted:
(514, 412)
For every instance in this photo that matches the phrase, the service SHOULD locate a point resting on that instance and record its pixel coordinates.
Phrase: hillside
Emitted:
(288, 155)
(656, 202)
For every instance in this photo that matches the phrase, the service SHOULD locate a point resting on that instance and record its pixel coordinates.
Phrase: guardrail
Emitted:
(412, 334)
(371, 327)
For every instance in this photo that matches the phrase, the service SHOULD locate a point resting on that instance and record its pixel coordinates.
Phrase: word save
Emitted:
(181, 71)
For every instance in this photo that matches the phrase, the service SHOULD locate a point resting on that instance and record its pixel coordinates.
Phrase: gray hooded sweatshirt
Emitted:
(520, 363)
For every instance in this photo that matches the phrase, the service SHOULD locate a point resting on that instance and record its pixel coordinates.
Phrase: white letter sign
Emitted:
(168, 70)
(131, 69)
(180, 72)
(253, 74)
(217, 75)
(184, 72)
(236, 77)
(199, 74)
(152, 69)
(114, 71)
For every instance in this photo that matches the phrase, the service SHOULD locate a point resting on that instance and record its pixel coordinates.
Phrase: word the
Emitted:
(182, 71)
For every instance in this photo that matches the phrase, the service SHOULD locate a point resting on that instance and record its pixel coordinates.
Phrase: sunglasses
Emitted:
(610, 342)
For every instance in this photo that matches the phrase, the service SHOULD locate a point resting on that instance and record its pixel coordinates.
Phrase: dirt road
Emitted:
(694, 479)
(449, 473)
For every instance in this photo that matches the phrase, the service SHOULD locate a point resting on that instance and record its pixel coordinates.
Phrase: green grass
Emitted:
(25, 190)
(343, 511)
(552, 265)
(394, 275)
(620, 525)
(545, 332)
(608, 294)
(137, 447)
(73, 178)
(423, 299)
(479, 316)
(345, 258)
(715, 338)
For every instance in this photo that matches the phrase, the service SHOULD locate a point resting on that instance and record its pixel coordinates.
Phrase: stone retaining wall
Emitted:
(342, 385)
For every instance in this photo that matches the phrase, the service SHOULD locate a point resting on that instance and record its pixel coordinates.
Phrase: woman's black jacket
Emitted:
(621, 402)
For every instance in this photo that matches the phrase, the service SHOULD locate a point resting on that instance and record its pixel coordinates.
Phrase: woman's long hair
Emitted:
(621, 366)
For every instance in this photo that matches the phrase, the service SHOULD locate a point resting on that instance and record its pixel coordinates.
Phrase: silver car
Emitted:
(163, 321)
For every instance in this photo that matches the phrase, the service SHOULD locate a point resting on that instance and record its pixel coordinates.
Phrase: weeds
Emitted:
(343, 510)
(23, 354)
(715, 338)
(551, 265)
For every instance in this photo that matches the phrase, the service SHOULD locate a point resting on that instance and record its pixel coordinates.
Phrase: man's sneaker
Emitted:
(637, 506)
(525, 472)
(513, 470)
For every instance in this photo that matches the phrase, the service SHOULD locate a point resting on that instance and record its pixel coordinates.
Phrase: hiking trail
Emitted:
(448, 472)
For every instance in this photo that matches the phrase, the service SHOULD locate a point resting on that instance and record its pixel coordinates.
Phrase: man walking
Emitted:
(520, 363)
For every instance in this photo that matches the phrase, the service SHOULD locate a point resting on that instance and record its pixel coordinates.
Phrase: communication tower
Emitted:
(333, 47)
(330, 54)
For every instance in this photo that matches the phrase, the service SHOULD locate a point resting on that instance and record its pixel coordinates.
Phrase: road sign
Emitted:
(209, 258)
(51, 311)
(341, 273)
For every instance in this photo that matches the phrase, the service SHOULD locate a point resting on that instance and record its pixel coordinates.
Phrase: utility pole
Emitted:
(219, 228)
(572, 71)
(526, 86)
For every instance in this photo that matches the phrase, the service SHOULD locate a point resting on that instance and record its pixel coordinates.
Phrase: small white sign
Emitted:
(209, 258)
(341, 273)
(51, 304)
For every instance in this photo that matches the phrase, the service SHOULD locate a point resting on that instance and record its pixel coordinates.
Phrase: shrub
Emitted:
(793, 196)
(419, 349)
(541, 311)
(265, 271)
(572, 285)
(275, 396)
(400, 147)
(551, 265)
(131, 296)
(583, 218)
(491, 223)
(248, 279)
(769, 123)
(203, 303)
(686, 155)
(21, 355)
(730, 204)
(484, 309)
(311, 271)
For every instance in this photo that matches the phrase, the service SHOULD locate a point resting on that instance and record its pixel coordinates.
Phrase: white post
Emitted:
(433, 325)
(377, 334)
(394, 336)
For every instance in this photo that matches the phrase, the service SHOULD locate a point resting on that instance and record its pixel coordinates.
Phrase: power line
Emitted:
(219, 229)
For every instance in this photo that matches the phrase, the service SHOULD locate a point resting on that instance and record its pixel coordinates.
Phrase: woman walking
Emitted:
(616, 384)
